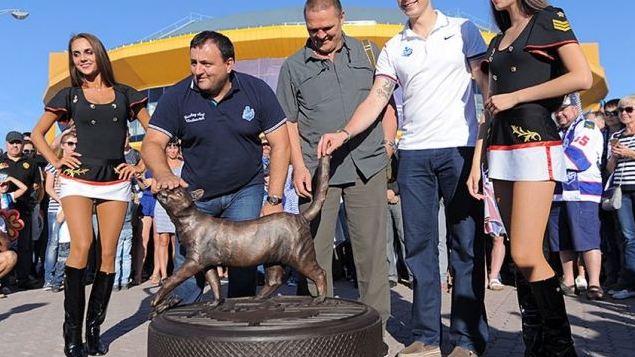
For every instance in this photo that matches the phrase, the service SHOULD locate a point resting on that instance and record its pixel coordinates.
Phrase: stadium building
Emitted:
(262, 40)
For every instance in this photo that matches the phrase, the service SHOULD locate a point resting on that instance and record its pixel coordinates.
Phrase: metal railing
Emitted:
(193, 17)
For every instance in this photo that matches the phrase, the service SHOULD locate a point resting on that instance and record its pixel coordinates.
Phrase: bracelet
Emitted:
(348, 135)
(390, 143)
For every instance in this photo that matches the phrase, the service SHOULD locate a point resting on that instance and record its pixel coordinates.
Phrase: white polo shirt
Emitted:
(435, 77)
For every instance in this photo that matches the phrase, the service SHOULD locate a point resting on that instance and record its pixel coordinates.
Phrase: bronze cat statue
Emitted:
(274, 240)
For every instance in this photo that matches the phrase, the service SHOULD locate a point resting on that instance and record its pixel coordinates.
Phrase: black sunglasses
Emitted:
(612, 113)
(27, 151)
(70, 143)
(629, 110)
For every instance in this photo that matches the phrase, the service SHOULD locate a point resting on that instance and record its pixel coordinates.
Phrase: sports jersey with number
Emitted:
(583, 145)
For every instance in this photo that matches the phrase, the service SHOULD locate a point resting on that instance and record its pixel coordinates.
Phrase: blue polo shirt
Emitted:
(220, 141)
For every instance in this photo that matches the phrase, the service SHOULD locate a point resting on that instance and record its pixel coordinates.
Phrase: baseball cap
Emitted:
(13, 136)
(572, 99)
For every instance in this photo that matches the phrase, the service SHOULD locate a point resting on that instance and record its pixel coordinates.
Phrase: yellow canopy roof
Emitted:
(163, 62)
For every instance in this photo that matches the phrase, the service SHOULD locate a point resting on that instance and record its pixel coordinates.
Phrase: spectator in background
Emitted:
(63, 249)
(497, 257)
(28, 149)
(621, 162)
(8, 257)
(266, 152)
(7, 202)
(162, 225)
(132, 155)
(68, 143)
(395, 249)
(123, 258)
(598, 118)
(14, 163)
(8, 197)
(39, 159)
(610, 230)
(612, 117)
(574, 222)
(147, 205)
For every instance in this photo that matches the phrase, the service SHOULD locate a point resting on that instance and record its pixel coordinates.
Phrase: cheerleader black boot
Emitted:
(531, 319)
(74, 303)
(556, 336)
(96, 313)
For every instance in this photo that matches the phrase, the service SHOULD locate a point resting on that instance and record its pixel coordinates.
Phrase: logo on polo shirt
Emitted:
(26, 165)
(194, 117)
(407, 51)
(248, 113)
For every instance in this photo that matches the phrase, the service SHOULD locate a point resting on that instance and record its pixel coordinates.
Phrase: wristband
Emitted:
(390, 143)
(348, 135)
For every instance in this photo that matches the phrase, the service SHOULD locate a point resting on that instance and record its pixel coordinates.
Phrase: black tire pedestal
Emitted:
(283, 326)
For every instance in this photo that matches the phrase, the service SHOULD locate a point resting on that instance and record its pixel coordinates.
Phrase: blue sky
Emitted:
(25, 45)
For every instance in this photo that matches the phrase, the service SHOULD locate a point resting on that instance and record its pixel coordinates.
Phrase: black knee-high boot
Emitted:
(74, 303)
(530, 315)
(96, 313)
(556, 336)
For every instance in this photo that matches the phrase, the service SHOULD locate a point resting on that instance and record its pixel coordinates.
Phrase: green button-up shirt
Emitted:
(321, 96)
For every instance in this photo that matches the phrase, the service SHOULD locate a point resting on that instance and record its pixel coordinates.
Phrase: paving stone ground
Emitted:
(31, 323)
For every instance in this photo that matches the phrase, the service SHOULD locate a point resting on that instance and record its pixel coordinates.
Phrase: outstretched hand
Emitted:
(330, 142)
(169, 182)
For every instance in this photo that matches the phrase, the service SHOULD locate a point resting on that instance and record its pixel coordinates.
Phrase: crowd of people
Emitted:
(409, 207)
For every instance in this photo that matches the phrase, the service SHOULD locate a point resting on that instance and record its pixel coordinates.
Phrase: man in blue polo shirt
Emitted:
(218, 114)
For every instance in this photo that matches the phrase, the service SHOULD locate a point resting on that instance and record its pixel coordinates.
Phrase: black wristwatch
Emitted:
(274, 200)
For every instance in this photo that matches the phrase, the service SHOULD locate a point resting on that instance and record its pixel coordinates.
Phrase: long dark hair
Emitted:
(101, 56)
(528, 7)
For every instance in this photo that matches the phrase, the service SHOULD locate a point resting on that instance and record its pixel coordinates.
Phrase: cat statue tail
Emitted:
(320, 192)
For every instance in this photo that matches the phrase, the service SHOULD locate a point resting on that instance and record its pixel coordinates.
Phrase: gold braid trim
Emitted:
(526, 135)
(75, 172)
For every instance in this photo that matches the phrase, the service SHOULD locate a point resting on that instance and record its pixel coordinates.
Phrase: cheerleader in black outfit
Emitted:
(532, 64)
(96, 175)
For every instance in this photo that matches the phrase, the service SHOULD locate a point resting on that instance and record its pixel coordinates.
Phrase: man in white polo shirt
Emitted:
(433, 59)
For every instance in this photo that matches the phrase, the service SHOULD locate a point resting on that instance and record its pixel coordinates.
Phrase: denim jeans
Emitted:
(57, 276)
(123, 259)
(241, 205)
(50, 257)
(423, 175)
(626, 217)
